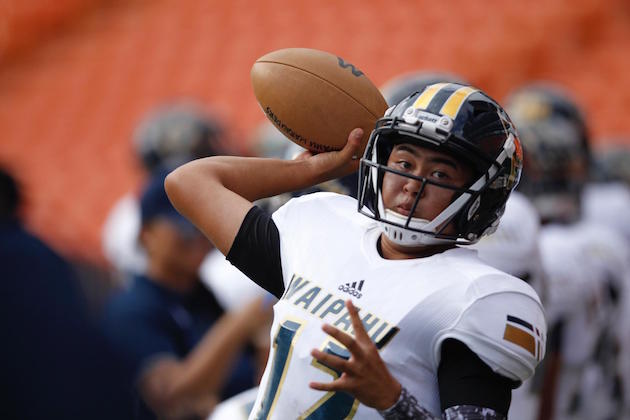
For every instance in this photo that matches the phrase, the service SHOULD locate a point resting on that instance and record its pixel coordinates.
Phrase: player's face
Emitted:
(399, 193)
(179, 253)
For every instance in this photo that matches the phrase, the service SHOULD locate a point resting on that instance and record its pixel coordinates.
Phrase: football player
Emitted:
(382, 313)
(605, 202)
(582, 263)
(167, 137)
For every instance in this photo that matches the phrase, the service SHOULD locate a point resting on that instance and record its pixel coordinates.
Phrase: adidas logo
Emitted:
(352, 288)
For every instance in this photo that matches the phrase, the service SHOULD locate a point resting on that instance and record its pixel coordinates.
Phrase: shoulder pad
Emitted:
(505, 326)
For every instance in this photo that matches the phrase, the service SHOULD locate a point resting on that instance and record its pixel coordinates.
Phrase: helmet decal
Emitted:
(454, 103)
(443, 98)
(532, 106)
(427, 96)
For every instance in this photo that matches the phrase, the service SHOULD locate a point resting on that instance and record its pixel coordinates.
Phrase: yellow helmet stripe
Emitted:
(429, 93)
(453, 104)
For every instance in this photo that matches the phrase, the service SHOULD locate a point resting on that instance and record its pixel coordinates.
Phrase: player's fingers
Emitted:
(351, 149)
(336, 385)
(332, 361)
(357, 324)
(342, 337)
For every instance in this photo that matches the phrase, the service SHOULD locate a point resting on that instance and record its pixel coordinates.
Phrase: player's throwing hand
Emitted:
(365, 375)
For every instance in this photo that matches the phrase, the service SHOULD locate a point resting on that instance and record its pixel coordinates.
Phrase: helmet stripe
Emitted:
(454, 103)
(425, 98)
(441, 97)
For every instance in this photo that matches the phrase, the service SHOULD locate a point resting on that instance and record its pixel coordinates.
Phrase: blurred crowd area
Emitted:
(97, 98)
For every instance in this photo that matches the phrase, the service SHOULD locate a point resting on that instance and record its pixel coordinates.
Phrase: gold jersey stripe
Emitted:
(521, 338)
(453, 104)
(429, 93)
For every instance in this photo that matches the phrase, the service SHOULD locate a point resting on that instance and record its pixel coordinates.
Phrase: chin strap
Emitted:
(406, 237)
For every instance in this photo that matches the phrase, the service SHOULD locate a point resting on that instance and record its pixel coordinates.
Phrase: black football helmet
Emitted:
(465, 123)
(174, 134)
(556, 146)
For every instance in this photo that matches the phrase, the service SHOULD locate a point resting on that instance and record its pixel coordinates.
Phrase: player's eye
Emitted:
(403, 165)
(440, 175)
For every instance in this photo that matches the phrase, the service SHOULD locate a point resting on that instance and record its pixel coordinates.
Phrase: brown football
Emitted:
(316, 98)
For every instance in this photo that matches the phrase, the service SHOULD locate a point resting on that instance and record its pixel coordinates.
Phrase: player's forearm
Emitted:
(408, 408)
(176, 386)
(250, 178)
(206, 369)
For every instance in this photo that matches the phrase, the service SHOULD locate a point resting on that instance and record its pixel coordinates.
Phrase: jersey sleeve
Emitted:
(506, 329)
(256, 251)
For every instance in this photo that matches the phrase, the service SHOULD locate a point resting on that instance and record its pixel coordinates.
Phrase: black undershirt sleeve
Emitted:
(256, 251)
(464, 379)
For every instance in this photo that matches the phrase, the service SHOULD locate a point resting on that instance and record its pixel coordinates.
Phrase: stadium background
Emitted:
(76, 76)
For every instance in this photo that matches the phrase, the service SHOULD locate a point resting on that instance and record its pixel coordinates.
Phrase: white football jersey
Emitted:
(582, 260)
(607, 204)
(575, 293)
(409, 307)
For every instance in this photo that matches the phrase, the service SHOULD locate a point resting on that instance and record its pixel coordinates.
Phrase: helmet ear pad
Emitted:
(470, 221)
(485, 207)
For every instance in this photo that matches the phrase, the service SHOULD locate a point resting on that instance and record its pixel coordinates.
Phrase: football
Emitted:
(316, 98)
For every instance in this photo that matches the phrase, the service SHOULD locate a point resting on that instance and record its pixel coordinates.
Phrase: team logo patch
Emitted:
(524, 335)
(353, 289)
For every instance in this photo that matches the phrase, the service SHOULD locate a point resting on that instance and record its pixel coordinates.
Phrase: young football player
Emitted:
(585, 262)
(381, 313)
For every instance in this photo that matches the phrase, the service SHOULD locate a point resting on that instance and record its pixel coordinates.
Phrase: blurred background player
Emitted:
(185, 352)
(55, 362)
(581, 262)
(605, 202)
(514, 249)
(167, 137)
